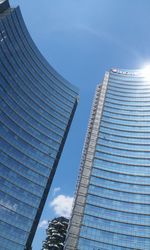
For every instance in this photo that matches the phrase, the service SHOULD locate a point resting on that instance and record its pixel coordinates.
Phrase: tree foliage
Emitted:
(56, 234)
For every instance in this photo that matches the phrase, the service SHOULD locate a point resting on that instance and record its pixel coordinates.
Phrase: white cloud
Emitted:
(62, 205)
(56, 190)
(43, 224)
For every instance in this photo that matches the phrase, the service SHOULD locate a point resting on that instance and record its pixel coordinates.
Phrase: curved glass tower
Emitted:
(36, 109)
(112, 205)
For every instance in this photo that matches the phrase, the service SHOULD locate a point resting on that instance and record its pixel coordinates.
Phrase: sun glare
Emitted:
(146, 72)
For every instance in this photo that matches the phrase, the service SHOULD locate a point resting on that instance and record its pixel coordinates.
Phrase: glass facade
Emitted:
(112, 205)
(36, 109)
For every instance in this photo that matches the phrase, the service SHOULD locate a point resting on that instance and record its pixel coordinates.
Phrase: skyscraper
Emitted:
(36, 111)
(112, 204)
(56, 234)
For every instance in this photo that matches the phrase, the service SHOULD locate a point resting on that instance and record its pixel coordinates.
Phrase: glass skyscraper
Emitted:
(112, 204)
(36, 109)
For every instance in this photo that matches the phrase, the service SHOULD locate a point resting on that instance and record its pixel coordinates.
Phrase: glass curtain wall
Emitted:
(116, 209)
(36, 109)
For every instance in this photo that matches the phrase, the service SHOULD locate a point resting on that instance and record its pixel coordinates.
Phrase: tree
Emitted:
(56, 234)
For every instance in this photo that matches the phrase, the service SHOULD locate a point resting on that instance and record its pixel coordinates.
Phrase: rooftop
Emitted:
(4, 5)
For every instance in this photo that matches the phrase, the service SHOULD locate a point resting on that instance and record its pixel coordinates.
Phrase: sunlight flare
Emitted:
(146, 72)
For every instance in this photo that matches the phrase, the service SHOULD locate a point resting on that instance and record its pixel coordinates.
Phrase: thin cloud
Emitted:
(56, 190)
(62, 205)
(43, 224)
(106, 36)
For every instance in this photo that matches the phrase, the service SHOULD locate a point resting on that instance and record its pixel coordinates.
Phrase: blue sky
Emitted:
(82, 39)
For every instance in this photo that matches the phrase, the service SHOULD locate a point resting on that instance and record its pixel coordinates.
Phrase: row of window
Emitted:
(122, 156)
(11, 217)
(123, 177)
(117, 205)
(22, 182)
(7, 71)
(125, 140)
(48, 107)
(25, 196)
(125, 127)
(139, 117)
(27, 148)
(122, 145)
(108, 156)
(20, 134)
(118, 216)
(13, 233)
(88, 244)
(10, 147)
(30, 104)
(9, 163)
(17, 204)
(112, 149)
(24, 160)
(116, 239)
(141, 106)
(130, 98)
(42, 102)
(120, 186)
(27, 132)
(133, 85)
(138, 114)
(123, 168)
(119, 108)
(116, 227)
(30, 115)
(7, 244)
(135, 88)
(12, 32)
(21, 116)
(129, 91)
(129, 110)
(44, 144)
(116, 120)
(14, 78)
(119, 195)
(132, 134)
(128, 80)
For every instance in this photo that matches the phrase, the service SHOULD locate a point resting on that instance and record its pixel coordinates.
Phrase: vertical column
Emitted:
(86, 166)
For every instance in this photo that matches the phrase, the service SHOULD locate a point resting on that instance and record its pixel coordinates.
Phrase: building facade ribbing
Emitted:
(36, 110)
(112, 204)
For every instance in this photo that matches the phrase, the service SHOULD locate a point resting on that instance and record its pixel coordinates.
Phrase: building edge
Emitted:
(42, 203)
(86, 166)
(41, 56)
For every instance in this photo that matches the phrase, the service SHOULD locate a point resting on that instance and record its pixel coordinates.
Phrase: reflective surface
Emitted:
(36, 109)
(117, 208)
